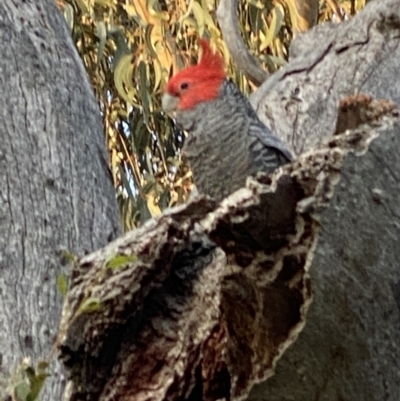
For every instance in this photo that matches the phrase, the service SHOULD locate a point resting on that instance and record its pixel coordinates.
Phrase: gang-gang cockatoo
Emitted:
(226, 140)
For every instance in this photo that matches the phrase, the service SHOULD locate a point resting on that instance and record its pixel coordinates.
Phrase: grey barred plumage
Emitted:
(227, 142)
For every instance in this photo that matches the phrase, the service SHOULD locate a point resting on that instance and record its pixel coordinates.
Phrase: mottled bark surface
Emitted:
(300, 102)
(350, 347)
(164, 313)
(55, 192)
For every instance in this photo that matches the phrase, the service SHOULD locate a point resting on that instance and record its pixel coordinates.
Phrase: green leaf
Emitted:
(143, 210)
(22, 390)
(120, 261)
(144, 90)
(198, 13)
(42, 365)
(207, 16)
(147, 38)
(274, 27)
(105, 3)
(81, 4)
(123, 78)
(67, 257)
(256, 3)
(140, 137)
(121, 42)
(62, 284)
(30, 372)
(37, 383)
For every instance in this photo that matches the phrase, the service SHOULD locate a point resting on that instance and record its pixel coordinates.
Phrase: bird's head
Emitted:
(195, 84)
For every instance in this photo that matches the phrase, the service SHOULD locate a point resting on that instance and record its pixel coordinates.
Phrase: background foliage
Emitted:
(131, 47)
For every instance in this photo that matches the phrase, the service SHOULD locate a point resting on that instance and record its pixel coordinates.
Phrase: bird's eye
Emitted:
(184, 86)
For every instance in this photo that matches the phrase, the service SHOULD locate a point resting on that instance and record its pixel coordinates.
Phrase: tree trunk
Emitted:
(202, 302)
(56, 193)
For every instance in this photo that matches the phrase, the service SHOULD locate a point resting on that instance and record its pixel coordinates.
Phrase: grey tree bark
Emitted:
(203, 302)
(350, 347)
(55, 191)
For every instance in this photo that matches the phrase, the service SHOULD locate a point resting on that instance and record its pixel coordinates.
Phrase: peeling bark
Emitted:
(349, 349)
(207, 297)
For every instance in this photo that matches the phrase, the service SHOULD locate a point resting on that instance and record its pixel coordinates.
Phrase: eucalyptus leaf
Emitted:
(101, 33)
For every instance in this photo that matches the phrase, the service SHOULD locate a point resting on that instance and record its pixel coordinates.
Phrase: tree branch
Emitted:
(299, 103)
(245, 61)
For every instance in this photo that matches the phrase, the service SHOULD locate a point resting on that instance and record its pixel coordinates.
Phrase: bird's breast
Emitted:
(219, 163)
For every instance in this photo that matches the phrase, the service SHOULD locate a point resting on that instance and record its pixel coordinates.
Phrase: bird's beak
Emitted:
(169, 103)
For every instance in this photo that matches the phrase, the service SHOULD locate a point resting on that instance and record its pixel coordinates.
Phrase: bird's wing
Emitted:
(267, 139)
(257, 129)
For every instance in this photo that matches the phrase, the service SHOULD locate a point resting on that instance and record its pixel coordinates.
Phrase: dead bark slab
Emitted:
(203, 301)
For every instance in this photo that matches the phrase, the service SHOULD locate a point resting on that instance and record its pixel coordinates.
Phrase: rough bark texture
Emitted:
(300, 102)
(201, 303)
(350, 347)
(209, 296)
(55, 190)
(183, 316)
